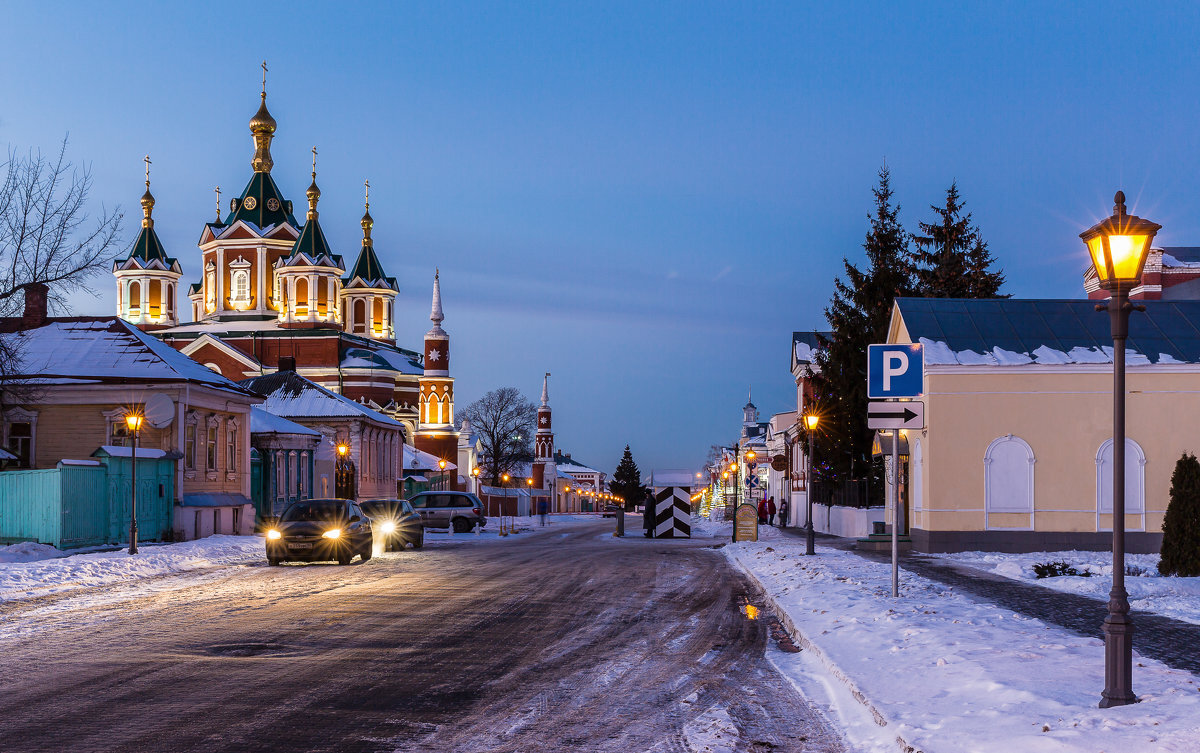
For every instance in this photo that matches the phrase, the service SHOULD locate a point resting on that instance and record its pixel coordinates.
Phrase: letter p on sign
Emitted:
(895, 371)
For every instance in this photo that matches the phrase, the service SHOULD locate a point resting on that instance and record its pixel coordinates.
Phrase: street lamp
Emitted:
(442, 474)
(504, 478)
(810, 423)
(133, 422)
(475, 475)
(1119, 246)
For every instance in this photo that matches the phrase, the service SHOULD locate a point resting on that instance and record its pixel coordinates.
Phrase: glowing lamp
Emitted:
(442, 464)
(134, 421)
(751, 455)
(1119, 246)
(811, 420)
(342, 449)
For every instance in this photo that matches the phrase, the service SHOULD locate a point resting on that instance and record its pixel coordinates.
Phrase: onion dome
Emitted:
(262, 122)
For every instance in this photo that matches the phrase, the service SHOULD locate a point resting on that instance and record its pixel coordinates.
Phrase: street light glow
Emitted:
(134, 421)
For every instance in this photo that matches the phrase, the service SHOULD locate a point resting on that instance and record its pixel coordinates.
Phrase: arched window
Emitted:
(377, 316)
(359, 320)
(239, 281)
(1135, 483)
(1008, 481)
(170, 300)
(135, 298)
(302, 296)
(917, 471)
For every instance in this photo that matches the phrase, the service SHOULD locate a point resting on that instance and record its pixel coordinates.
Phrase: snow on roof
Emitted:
(65, 351)
(143, 453)
(806, 344)
(1013, 332)
(224, 327)
(1180, 256)
(420, 460)
(292, 396)
(265, 422)
(382, 358)
(565, 464)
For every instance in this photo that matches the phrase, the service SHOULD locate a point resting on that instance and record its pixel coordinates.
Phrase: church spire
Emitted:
(147, 198)
(546, 390)
(262, 128)
(313, 193)
(435, 315)
(367, 221)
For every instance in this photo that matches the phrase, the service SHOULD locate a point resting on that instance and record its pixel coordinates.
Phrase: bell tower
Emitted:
(543, 439)
(435, 431)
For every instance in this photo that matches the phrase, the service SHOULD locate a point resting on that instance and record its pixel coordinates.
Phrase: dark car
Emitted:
(461, 511)
(395, 521)
(313, 530)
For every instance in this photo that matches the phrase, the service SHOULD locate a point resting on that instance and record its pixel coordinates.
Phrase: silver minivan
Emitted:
(460, 510)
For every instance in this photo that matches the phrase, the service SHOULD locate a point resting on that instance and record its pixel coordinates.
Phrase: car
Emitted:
(461, 511)
(315, 530)
(396, 522)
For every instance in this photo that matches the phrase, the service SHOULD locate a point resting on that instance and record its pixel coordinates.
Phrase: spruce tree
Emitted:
(858, 313)
(627, 480)
(1180, 554)
(951, 259)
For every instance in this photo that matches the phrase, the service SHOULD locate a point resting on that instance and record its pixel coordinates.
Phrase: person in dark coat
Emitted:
(543, 506)
(762, 512)
(783, 511)
(648, 516)
(771, 510)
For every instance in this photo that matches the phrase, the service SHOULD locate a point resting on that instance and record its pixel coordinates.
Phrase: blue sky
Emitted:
(644, 199)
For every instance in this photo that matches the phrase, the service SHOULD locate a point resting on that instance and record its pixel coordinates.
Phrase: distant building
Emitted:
(1172, 273)
(805, 346)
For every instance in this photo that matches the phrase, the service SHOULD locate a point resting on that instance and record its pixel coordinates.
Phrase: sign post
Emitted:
(745, 523)
(895, 371)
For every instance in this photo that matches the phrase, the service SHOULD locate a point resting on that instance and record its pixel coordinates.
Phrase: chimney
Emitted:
(35, 305)
(287, 363)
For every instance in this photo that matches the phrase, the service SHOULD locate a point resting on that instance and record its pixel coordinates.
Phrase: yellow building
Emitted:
(1017, 453)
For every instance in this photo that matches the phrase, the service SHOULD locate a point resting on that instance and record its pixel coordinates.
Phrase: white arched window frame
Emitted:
(917, 472)
(1008, 481)
(1135, 483)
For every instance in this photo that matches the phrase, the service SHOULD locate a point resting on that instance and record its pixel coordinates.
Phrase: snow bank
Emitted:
(1148, 591)
(949, 674)
(28, 551)
(51, 573)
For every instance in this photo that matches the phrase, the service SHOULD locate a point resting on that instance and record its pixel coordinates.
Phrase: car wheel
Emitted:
(272, 562)
(366, 552)
(419, 541)
(462, 525)
(344, 559)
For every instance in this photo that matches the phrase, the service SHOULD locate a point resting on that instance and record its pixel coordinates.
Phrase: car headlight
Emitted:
(273, 534)
(333, 533)
(388, 527)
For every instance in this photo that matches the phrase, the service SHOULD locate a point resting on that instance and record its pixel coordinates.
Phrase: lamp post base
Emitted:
(1118, 661)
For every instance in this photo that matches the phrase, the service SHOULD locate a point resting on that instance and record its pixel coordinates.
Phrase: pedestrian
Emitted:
(542, 508)
(783, 511)
(771, 510)
(762, 511)
(648, 516)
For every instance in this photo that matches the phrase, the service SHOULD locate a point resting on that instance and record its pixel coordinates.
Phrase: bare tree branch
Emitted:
(504, 420)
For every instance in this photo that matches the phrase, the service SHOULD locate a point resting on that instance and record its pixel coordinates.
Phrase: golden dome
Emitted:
(147, 208)
(367, 224)
(262, 122)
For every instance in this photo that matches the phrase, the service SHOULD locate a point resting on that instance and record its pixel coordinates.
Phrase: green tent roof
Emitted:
(369, 269)
(312, 243)
(148, 248)
(265, 212)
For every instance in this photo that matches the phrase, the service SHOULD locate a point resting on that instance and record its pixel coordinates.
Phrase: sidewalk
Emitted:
(1172, 642)
(945, 670)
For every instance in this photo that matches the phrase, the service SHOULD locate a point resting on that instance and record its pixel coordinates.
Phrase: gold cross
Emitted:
(314, 163)
(367, 183)
(218, 191)
(146, 159)
(264, 67)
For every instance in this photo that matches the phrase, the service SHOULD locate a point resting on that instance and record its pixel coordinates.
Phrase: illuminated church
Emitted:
(273, 294)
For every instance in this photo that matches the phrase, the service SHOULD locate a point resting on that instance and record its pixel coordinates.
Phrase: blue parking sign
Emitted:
(895, 371)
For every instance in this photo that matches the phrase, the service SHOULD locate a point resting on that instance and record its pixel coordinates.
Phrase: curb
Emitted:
(800, 639)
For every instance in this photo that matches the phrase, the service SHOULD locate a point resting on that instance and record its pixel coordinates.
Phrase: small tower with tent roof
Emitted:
(368, 297)
(147, 279)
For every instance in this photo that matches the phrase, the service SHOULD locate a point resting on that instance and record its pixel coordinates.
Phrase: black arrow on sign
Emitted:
(904, 415)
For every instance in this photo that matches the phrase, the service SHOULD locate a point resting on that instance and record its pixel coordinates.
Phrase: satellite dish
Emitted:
(160, 411)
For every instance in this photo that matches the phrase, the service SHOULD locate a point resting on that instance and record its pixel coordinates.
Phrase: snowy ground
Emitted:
(1148, 591)
(29, 570)
(947, 673)
(32, 570)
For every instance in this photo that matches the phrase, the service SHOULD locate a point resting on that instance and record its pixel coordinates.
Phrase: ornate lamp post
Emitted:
(1119, 246)
(505, 479)
(810, 423)
(475, 475)
(133, 421)
(442, 474)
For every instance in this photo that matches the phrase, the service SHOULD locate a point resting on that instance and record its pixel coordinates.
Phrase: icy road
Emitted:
(563, 640)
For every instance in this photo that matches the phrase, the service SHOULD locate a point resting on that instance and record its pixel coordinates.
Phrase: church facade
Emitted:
(271, 289)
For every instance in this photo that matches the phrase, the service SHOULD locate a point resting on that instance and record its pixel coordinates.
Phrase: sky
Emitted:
(644, 199)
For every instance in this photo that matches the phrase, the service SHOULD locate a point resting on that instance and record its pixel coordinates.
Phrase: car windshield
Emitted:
(380, 507)
(319, 509)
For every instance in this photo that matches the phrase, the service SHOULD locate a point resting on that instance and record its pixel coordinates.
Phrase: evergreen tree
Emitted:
(858, 313)
(1180, 554)
(951, 259)
(627, 480)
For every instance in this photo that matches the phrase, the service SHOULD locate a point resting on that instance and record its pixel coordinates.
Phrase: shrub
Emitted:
(1180, 554)
(1055, 569)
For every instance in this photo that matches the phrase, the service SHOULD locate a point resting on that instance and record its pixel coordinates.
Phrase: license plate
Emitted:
(299, 546)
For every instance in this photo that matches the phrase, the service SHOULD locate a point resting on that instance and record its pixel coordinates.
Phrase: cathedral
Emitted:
(272, 293)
